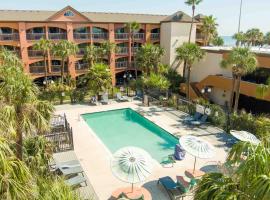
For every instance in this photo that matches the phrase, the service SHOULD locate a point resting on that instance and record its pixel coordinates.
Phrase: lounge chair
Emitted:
(105, 99)
(171, 187)
(119, 97)
(93, 100)
(70, 170)
(196, 117)
(76, 181)
(199, 122)
(185, 186)
(123, 196)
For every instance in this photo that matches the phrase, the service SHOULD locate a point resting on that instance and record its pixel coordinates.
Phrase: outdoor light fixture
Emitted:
(207, 89)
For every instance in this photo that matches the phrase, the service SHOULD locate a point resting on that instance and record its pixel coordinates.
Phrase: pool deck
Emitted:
(95, 157)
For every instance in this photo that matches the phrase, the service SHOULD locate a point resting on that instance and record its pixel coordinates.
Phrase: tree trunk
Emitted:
(191, 25)
(237, 94)
(188, 83)
(133, 55)
(19, 143)
(232, 94)
(45, 70)
(62, 71)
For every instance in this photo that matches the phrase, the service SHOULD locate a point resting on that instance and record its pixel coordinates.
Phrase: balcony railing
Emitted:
(82, 36)
(16, 52)
(37, 69)
(155, 36)
(81, 66)
(135, 49)
(57, 68)
(35, 53)
(9, 37)
(138, 36)
(99, 36)
(81, 52)
(35, 36)
(121, 64)
(121, 36)
(199, 36)
(57, 36)
(122, 51)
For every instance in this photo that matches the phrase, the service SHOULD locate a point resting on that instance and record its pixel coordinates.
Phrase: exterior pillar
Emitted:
(23, 46)
(49, 63)
(129, 49)
(71, 59)
(112, 55)
(147, 33)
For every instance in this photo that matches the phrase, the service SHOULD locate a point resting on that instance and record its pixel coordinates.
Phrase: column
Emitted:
(112, 55)
(147, 33)
(49, 63)
(71, 59)
(23, 46)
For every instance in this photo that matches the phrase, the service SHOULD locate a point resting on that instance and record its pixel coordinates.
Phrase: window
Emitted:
(69, 13)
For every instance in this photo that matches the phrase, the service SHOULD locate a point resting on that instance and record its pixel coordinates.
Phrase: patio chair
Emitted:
(193, 118)
(70, 170)
(65, 165)
(121, 98)
(184, 185)
(171, 187)
(123, 196)
(76, 181)
(105, 99)
(93, 100)
(199, 122)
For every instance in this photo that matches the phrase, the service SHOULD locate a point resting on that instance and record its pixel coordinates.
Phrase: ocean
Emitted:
(228, 41)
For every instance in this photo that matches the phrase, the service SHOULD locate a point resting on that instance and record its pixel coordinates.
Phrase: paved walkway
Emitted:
(95, 157)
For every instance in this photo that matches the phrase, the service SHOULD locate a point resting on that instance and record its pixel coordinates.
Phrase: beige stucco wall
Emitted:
(220, 96)
(209, 65)
(174, 34)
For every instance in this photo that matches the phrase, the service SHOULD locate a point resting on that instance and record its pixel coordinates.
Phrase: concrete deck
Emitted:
(95, 157)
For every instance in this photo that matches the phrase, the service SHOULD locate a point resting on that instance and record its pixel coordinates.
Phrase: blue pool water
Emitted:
(125, 127)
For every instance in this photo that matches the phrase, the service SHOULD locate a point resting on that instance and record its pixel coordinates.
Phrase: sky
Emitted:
(254, 14)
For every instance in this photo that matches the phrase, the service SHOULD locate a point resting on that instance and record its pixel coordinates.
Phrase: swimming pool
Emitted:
(125, 127)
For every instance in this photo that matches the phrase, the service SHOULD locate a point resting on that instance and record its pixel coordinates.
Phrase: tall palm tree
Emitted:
(267, 38)
(209, 29)
(45, 46)
(254, 36)
(107, 49)
(241, 61)
(133, 27)
(15, 177)
(190, 53)
(250, 180)
(64, 49)
(192, 3)
(20, 107)
(91, 54)
(240, 38)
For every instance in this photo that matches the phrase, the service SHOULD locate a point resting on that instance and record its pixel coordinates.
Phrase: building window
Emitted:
(69, 13)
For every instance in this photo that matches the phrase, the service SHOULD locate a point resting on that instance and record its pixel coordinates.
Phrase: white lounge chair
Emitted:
(119, 97)
(105, 99)
(75, 181)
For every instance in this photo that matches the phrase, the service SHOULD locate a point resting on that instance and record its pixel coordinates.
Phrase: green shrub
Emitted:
(217, 116)
(243, 121)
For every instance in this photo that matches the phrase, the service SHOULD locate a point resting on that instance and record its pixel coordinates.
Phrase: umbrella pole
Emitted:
(131, 187)
(194, 165)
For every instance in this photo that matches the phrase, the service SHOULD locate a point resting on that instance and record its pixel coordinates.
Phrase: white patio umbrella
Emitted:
(197, 147)
(245, 136)
(131, 165)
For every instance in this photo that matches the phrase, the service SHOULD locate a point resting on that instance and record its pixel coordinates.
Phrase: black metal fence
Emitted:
(61, 134)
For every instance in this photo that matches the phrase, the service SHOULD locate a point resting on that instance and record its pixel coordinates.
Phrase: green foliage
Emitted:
(190, 53)
(240, 38)
(263, 89)
(175, 79)
(155, 81)
(59, 89)
(217, 41)
(254, 37)
(193, 2)
(209, 29)
(267, 38)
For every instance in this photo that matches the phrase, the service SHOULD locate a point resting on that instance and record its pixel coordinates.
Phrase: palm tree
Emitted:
(20, 107)
(254, 36)
(133, 27)
(148, 58)
(242, 61)
(192, 3)
(45, 46)
(218, 41)
(64, 49)
(190, 53)
(8, 58)
(107, 48)
(263, 89)
(91, 55)
(15, 177)
(240, 38)
(98, 78)
(250, 180)
(267, 38)
(209, 29)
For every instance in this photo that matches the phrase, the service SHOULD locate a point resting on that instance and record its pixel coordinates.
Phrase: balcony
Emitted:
(9, 37)
(135, 49)
(57, 36)
(37, 69)
(199, 36)
(57, 68)
(122, 51)
(100, 36)
(35, 36)
(82, 36)
(81, 52)
(155, 36)
(138, 36)
(35, 54)
(121, 36)
(121, 64)
(81, 66)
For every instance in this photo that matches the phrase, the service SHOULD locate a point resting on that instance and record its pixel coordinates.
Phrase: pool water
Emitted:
(125, 127)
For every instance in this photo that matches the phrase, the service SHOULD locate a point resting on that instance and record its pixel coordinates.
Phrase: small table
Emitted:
(197, 173)
(137, 193)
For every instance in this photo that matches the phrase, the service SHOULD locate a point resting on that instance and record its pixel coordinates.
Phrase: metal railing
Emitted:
(135, 49)
(57, 36)
(9, 37)
(121, 36)
(35, 36)
(121, 64)
(155, 36)
(81, 66)
(82, 36)
(81, 52)
(122, 50)
(57, 68)
(138, 36)
(99, 36)
(36, 69)
(35, 53)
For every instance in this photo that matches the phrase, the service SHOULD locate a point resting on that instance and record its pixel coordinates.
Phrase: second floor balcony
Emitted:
(82, 36)
(122, 51)
(155, 36)
(121, 64)
(121, 36)
(138, 36)
(35, 54)
(38, 69)
(9, 36)
(57, 68)
(57, 36)
(99, 36)
(35, 36)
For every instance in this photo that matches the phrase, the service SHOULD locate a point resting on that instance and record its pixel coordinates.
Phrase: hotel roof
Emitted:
(102, 17)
